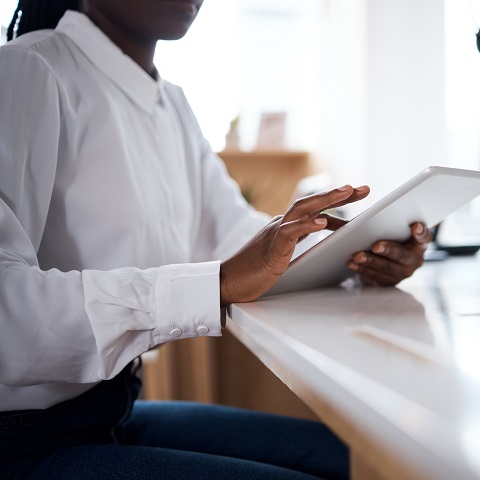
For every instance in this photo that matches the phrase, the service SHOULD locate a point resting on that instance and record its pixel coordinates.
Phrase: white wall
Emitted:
(387, 85)
(345, 149)
(463, 82)
(406, 88)
(249, 57)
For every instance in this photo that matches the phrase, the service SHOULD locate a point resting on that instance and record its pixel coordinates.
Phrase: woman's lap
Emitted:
(183, 440)
(131, 462)
(103, 434)
(291, 443)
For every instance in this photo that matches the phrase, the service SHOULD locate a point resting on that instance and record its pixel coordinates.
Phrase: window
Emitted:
(462, 21)
(313, 60)
(6, 14)
(245, 57)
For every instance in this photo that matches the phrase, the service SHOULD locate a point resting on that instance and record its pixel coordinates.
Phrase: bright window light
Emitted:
(246, 57)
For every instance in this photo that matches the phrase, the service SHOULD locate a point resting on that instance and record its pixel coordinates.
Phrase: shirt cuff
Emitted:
(187, 301)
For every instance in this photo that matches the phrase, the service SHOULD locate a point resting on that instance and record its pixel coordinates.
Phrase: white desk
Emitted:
(395, 372)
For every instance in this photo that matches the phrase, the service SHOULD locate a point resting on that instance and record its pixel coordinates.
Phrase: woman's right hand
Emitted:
(256, 267)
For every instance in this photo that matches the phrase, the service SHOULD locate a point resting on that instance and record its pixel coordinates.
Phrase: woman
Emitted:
(121, 231)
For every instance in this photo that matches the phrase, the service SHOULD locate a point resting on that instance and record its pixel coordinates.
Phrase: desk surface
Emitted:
(394, 371)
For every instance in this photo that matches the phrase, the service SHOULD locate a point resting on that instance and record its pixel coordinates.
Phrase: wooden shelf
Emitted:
(267, 178)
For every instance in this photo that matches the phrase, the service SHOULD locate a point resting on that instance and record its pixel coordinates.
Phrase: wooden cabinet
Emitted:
(267, 177)
(222, 370)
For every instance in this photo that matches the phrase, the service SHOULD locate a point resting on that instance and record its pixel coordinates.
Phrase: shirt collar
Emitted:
(107, 57)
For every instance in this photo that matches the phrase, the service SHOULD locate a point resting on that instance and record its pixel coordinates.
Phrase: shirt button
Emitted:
(202, 330)
(176, 332)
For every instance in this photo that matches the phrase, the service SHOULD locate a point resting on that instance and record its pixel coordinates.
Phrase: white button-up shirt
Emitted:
(114, 214)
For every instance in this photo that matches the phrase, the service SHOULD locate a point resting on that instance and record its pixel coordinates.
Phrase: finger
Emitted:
(385, 270)
(421, 235)
(366, 261)
(313, 205)
(333, 222)
(385, 253)
(378, 274)
(396, 252)
(359, 193)
(404, 253)
(288, 234)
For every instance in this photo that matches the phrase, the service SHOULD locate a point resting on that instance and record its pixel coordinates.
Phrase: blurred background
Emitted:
(373, 90)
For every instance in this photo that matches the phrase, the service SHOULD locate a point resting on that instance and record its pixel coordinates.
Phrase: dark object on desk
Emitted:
(461, 250)
(452, 249)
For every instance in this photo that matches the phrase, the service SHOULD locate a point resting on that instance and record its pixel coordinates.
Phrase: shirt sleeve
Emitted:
(82, 327)
(76, 326)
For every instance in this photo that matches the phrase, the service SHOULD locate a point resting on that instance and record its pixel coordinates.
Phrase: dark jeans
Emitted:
(103, 434)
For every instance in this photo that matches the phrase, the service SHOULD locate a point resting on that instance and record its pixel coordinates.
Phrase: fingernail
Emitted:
(419, 229)
(362, 187)
(344, 188)
(378, 248)
(352, 266)
(320, 221)
(361, 259)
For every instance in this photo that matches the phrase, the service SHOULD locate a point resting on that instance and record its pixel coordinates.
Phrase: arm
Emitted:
(82, 327)
(75, 326)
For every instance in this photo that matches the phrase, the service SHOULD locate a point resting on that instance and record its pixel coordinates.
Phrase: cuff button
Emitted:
(176, 332)
(202, 330)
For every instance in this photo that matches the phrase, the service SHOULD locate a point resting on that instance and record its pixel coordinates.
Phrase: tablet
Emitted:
(427, 197)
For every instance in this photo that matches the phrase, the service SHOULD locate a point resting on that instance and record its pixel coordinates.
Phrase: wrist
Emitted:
(224, 297)
(230, 284)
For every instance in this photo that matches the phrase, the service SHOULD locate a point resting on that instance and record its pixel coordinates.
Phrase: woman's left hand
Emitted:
(390, 262)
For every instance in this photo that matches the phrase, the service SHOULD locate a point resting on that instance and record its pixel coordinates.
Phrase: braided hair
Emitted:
(33, 15)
